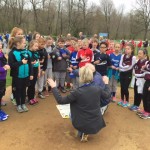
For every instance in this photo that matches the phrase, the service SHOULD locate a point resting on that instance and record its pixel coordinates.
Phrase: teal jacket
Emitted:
(18, 69)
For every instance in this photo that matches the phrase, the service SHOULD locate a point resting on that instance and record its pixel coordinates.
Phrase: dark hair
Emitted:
(34, 35)
(104, 43)
(145, 52)
(132, 48)
(61, 40)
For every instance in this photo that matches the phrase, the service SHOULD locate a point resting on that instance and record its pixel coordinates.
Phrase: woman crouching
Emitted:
(84, 103)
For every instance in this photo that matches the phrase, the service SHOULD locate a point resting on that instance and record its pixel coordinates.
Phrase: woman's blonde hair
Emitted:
(85, 75)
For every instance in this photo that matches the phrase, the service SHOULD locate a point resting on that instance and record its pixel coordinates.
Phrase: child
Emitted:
(14, 33)
(145, 114)
(127, 62)
(60, 64)
(43, 66)
(48, 74)
(36, 71)
(74, 66)
(103, 60)
(3, 71)
(85, 55)
(111, 48)
(113, 71)
(139, 80)
(21, 70)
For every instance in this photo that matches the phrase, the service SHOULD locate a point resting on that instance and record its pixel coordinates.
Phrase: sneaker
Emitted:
(84, 137)
(145, 116)
(125, 104)
(139, 113)
(24, 107)
(3, 118)
(103, 109)
(63, 90)
(134, 108)
(114, 99)
(14, 101)
(120, 103)
(32, 102)
(2, 113)
(40, 95)
(19, 109)
(35, 100)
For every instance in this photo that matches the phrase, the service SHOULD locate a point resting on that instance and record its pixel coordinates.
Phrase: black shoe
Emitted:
(63, 90)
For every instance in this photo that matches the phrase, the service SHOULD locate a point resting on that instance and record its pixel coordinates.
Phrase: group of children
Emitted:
(32, 64)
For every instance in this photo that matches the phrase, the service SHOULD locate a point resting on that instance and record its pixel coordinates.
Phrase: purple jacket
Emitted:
(3, 62)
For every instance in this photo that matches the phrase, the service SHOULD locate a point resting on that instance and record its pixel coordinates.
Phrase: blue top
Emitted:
(73, 60)
(115, 60)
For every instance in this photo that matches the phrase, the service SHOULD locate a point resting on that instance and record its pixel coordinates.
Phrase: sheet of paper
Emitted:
(64, 110)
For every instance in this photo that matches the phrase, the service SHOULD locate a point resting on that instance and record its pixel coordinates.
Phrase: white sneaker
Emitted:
(24, 107)
(103, 109)
(19, 109)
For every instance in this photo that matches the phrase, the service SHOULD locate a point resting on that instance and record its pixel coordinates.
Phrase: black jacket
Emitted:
(85, 107)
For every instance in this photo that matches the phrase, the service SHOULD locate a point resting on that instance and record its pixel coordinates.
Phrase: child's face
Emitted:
(49, 43)
(41, 45)
(85, 45)
(68, 42)
(94, 44)
(35, 47)
(141, 54)
(19, 33)
(61, 44)
(117, 48)
(22, 44)
(111, 46)
(80, 43)
(103, 48)
(128, 50)
(37, 36)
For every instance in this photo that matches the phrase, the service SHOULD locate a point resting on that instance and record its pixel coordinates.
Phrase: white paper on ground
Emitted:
(64, 110)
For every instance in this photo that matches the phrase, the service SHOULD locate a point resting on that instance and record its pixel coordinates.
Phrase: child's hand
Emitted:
(6, 67)
(33, 62)
(83, 57)
(71, 66)
(96, 62)
(69, 69)
(64, 55)
(43, 73)
(42, 61)
(31, 77)
(105, 79)
(51, 83)
(74, 67)
(49, 56)
(39, 75)
(113, 67)
(24, 61)
(143, 67)
(149, 89)
(59, 58)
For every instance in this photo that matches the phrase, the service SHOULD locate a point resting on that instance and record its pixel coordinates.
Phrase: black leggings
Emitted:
(137, 96)
(146, 96)
(14, 87)
(2, 89)
(125, 79)
(21, 84)
(31, 88)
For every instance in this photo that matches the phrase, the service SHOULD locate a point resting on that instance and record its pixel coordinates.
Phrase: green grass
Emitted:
(8, 79)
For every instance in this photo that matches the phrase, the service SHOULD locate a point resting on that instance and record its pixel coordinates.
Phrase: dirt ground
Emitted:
(42, 128)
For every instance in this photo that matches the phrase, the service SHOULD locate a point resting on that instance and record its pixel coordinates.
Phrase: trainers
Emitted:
(139, 113)
(145, 115)
(114, 99)
(125, 104)
(14, 101)
(32, 102)
(24, 107)
(40, 95)
(63, 90)
(84, 137)
(134, 108)
(3, 118)
(120, 103)
(2, 113)
(19, 109)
